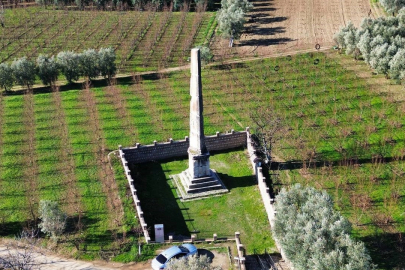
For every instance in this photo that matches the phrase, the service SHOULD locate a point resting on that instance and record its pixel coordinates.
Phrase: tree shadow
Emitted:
(270, 31)
(265, 42)
(11, 228)
(387, 250)
(207, 253)
(266, 20)
(296, 164)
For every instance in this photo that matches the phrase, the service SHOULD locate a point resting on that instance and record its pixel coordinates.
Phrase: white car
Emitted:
(177, 252)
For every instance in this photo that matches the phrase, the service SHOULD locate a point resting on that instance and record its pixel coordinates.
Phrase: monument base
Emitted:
(191, 188)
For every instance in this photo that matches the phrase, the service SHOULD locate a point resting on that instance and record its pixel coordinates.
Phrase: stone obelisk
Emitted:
(198, 180)
(198, 156)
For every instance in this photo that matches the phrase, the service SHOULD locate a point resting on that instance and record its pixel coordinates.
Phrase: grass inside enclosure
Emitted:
(240, 210)
(143, 40)
(329, 117)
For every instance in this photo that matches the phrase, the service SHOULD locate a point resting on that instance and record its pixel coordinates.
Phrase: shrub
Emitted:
(205, 54)
(6, 77)
(53, 220)
(313, 235)
(194, 262)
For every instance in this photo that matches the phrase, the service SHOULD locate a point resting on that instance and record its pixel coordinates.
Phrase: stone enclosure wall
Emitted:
(267, 199)
(159, 151)
(171, 149)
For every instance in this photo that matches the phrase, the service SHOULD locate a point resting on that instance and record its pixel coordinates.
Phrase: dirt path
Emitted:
(275, 26)
(45, 260)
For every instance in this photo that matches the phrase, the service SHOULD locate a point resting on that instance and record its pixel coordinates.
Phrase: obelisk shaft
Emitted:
(199, 165)
(197, 139)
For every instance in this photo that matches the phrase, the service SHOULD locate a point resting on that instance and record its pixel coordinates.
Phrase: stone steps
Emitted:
(204, 189)
(197, 185)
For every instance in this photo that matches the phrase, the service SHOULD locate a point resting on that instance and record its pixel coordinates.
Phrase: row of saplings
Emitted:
(90, 64)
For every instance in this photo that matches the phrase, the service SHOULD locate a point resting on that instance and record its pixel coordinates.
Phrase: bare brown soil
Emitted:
(277, 26)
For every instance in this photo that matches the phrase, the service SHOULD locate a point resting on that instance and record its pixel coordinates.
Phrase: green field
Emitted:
(338, 134)
(145, 40)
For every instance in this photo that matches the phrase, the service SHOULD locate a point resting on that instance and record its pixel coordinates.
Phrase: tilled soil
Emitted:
(275, 26)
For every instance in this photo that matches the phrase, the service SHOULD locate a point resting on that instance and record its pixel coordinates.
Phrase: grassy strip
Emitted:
(95, 219)
(13, 206)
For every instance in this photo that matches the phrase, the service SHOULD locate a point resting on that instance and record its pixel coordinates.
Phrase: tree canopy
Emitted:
(313, 235)
(231, 17)
(380, 42)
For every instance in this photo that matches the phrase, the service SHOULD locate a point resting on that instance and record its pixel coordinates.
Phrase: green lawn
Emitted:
(239, 210)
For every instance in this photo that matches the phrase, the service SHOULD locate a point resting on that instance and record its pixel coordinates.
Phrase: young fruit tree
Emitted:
(6, 77)
(106, 62)
(24, 72)
(69, 65)
(231, 18)
(315, 236)
(53, 220)
(48, 69)
(193, 262)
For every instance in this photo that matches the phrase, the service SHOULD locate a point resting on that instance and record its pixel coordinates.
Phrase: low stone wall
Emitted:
(135, 196)
(241, 259)
(265, 193)
(158, 151)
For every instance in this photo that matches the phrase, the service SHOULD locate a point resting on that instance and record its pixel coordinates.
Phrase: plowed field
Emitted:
(275, 26)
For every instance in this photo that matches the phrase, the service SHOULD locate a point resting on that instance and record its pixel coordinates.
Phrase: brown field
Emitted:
(277, 26)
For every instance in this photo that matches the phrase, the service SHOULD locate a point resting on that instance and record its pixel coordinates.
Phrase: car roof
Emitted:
(170, 252)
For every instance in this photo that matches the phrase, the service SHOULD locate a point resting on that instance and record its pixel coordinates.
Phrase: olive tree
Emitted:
(397, 65)
(53, 220)
(69, 64)
(193, 262)
(346, 38)
(106, 62)
(231, 18)
(48, 69)
(24, 72)
(392, 6)
(315, 236)
(6, 77)
(205, 53)
(89, 63)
